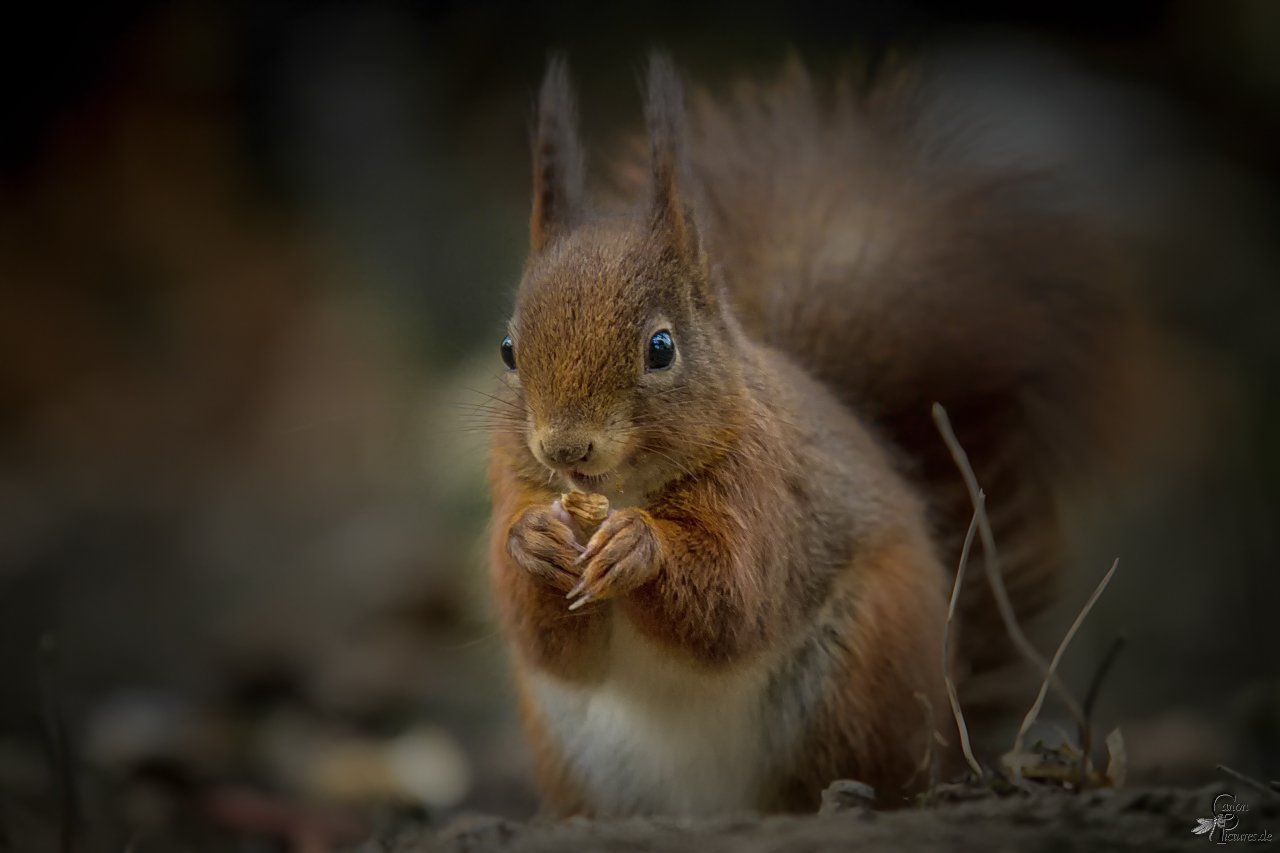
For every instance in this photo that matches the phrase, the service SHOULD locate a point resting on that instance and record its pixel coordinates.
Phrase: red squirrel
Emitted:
(742, 359)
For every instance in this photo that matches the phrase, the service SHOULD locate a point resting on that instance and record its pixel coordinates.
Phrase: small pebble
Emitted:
(845, 794)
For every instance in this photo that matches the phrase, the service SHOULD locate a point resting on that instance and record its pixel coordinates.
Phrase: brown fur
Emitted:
(784, 505)
(849, 240)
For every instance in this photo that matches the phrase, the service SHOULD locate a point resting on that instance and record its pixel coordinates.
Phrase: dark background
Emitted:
(255, 260)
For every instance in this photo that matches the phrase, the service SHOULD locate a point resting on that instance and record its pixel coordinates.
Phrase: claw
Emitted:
(580, 602)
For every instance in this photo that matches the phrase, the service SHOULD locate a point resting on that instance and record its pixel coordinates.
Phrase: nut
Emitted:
(588, 511)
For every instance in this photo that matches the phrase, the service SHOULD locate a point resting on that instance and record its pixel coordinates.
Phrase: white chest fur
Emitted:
(656, 736)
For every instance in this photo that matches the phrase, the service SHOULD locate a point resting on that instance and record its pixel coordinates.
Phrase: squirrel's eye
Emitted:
(662, 351)
(508, 353)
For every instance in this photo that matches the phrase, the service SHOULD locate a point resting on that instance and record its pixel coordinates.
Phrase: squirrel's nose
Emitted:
(567, 450)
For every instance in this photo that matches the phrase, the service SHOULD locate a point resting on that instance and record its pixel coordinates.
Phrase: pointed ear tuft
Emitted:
(664, 114)
(557, 159)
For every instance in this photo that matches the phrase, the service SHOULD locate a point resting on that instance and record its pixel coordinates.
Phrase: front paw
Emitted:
(543, 545)
(622, 555)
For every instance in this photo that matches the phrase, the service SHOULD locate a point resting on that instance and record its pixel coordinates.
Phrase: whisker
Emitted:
(490, 415)
(683, 468)
(490, 411)
(732, 450)
(667, 417)
(514, 404)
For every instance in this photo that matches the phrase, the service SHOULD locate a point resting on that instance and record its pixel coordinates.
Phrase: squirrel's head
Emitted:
(619, 351)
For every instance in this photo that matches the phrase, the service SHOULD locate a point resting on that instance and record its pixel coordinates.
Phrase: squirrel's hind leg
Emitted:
(881, 649)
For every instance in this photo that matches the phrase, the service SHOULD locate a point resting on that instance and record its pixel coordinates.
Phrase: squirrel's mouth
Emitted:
(586, 481)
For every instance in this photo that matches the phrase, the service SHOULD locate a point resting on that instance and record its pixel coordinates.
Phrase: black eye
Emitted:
(662, 351)
(508, 353)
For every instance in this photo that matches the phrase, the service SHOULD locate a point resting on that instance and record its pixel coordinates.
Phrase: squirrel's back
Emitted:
(851, 238)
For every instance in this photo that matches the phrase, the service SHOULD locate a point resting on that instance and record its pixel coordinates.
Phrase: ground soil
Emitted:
(1049, 820)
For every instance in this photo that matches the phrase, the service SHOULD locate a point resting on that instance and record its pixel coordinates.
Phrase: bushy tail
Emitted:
(857, 244)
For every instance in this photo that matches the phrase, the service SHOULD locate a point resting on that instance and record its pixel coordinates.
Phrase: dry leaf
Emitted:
(1117, 758)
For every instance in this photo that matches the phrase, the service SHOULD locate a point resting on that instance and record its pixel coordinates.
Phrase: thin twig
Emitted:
(1240, 777)
(993, 569)
(946, 642)
(1029, 720)
(1100, 675)
(56, 733)
(929, 761)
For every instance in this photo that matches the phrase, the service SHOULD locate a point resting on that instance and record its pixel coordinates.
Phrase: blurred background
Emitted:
(255, 262)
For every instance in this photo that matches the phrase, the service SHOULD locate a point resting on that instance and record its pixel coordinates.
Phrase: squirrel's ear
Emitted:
(557, 159)
(664, 113)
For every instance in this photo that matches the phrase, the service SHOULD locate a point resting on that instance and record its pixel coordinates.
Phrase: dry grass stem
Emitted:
(1243, 779)
(929, 761)
(994, 577)
(1034, 713)
(946, 642)
(1100, 675)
